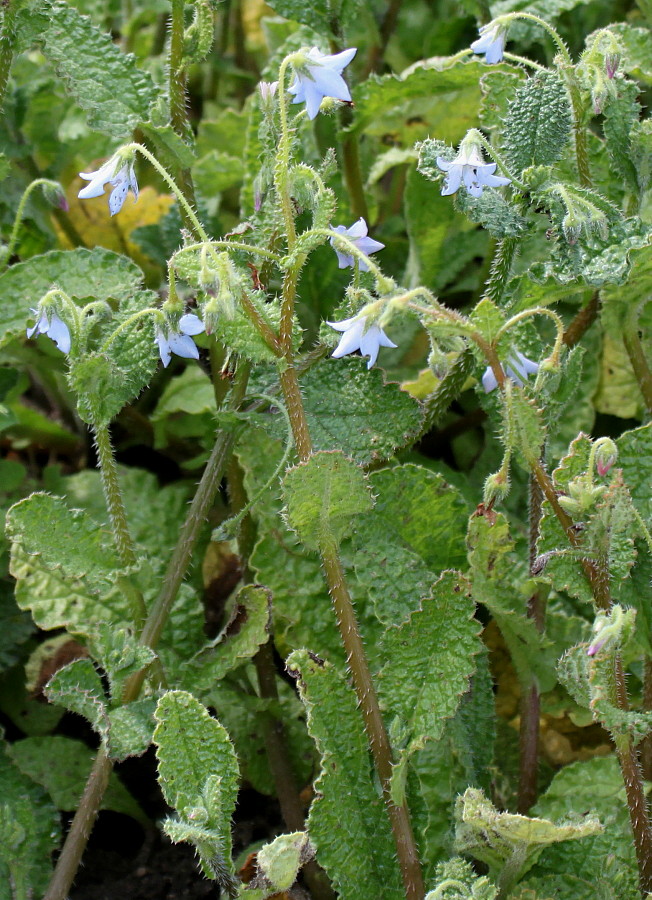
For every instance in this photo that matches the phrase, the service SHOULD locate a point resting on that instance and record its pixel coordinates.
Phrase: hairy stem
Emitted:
(582, 321)
(177, 93)
(531, 698)
(634, 347)
(408, 858)
(7, 39)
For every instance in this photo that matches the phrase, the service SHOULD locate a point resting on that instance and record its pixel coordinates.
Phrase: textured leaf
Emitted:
(538, 122)
(352, 409)
(386, 103)
(120, 654)
(29, 832)
(347, 810)
(620, 116)
(635, 460)
(502, 585)
(130, 729)
(245, 631)
(323, 496)
(78, 687)
(104, 81)
(498, 838)
(322, 15)
(430, 661)
(80, 273)
(62, 765)
(64, 539)
(415, 530)
(193, 748)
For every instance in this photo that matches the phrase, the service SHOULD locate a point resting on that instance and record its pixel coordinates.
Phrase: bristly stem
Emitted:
(177, 90)
(381, 750)
(582, 321)
(634, 347)
(87, 811)
(13, 237)
(7, 38)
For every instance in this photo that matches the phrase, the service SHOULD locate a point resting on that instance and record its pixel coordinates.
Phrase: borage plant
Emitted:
(387, 611)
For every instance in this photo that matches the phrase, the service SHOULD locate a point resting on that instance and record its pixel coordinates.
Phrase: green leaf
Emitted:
(430, 661)
(353, 410)
(29, 832)
(104, 81)
(16, 627)
(192, 749)
(120, 654)
(130, 728)
(446, 98)
(501, 583)
(78, 687)
(620, 116)
(487, 319)
(504, 840)
(82, 274)
(348, 810)
(279, 861)
(323, 496)
(64, 540)
(498, 85)
(415, 530)
(246, 630)
(538, 122)
(62, 765)
(322, 15)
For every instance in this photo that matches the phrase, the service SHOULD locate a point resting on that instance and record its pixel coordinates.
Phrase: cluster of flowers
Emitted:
(317, 75)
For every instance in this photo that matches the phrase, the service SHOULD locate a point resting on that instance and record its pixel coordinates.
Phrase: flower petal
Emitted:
(489, 382)
(357, 230)
(453, 180)
(163, 348)
(183, 345)
(59, 333)
(330, 83)
(344, 325)
(118, 197)
(350, 340)
(191, 324)
(313, 97)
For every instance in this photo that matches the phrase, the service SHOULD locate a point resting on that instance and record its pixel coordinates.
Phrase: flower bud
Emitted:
(496, 487)
(606, 454)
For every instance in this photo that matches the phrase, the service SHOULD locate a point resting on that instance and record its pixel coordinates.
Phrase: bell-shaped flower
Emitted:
(319, 75)
(491, 42)
(121, 177)
(517, 369)
(360, 335)
(357, 234)
(469, 167)
(49, 323)
(179, 340)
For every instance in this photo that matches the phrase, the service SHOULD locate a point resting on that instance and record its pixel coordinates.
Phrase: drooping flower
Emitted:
(359, 335)
(517, 369)
(469, 167)
(357, 233)
(319, 76)
(491, 42)
(178, 340)
(267, 91)
(50, 324)
(122, 178)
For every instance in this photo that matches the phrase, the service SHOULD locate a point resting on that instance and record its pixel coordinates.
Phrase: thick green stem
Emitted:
(501, 268)
(408, 858)
(177, 91)
(7, 40)
(579, 131)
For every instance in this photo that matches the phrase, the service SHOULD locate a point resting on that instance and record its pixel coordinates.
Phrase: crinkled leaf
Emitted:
(78, 687)
(323, 497)
(192, 749)
(415, 530)
(120, 654)
(115, 93)
(82, 274)
(130, 729)
(347, 810)
(538, 122)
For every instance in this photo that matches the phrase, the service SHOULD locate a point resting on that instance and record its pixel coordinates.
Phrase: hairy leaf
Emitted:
(538, 122)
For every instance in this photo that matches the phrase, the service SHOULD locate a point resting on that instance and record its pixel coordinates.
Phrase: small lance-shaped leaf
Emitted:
(347, 811)
(538, 122)
(193, 749)
(498, 583)
(80, 273)
(246, 630)
(116, 94)
(120, 654)
(78, 687)
(64, 539)
(507, 842)
(323, 496)
(278, 865)
(29, 833)
(130, 729)
(431, 658)
(415, 530)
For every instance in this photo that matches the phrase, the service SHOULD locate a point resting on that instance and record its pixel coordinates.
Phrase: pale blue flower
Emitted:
(491, 42)
(319, 76)
(469, 167)
(517, 369)
(122, 179)
(50, 324)
(179, 340)
(357, 234)
(368, 339)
